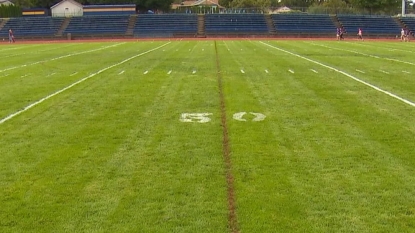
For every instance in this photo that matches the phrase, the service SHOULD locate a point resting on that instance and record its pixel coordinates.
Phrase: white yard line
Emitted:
(60, 57)
(360, 71)
(291, 71)
(385, 72)
(266, 71)
(345, 74)
(169, 72)
(73, 74)
(76, 83)
(122, 71)
(406, 72)
(145, 72)
(315, 71)
(242, 71)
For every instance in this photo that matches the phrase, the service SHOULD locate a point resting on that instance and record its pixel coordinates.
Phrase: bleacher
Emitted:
(409, 22)
(165, 25)
(370, 25)
(98, 25)
(235, 24)
(32, 26)
(303, 24)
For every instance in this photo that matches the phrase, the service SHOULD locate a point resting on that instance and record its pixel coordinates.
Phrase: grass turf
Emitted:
(111, 154)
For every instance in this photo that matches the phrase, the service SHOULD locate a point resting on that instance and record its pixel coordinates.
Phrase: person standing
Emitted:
(11, 36)
(360, 34)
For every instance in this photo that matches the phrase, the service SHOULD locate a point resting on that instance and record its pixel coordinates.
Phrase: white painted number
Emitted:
(239, 116)
(195, 117)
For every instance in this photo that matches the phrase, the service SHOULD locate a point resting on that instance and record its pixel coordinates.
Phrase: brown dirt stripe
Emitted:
(232, 218)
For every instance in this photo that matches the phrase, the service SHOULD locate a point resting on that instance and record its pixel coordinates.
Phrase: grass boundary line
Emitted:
(345, 74)
(76, 83)
(232, 218)
(60, 57)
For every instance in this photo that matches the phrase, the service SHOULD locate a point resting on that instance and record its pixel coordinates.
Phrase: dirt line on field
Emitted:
(232, 218)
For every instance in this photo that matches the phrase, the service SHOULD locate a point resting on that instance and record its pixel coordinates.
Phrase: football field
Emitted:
(207, 136)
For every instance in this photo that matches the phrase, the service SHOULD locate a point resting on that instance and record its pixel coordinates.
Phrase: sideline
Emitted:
(344, 73)
(76, 83)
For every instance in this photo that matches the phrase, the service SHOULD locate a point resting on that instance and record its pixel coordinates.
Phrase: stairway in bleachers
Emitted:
(131, 24)
(3, 22)
(270, 24)
(64, 25)
(201, 26)
(409, 23)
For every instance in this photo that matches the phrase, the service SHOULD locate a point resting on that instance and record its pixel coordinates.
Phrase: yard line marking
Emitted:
(360, 71)
(384, 71)
(266, 71)
(315, 71)
(24, 76)
(169, 72)
(122, 71)
(76, 83)
(242, 71)
(345, 74)
(60, 57)
(50, 74)
(292, 72)
(146, 72)
(5, 75)
(403, 71)
(73, 74)
(194, 72)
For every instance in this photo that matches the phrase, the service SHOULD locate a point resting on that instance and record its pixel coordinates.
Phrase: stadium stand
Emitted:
(303, 24)
(98, 25)
(32, 26)
(235, 24)
(409, 23)
(165, 25)
(371, 25)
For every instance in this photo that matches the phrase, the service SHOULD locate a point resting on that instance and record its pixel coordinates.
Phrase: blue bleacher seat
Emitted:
(32, 26)
(235, 24)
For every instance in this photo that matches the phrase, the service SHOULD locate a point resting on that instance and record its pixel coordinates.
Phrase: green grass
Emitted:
(110, 154)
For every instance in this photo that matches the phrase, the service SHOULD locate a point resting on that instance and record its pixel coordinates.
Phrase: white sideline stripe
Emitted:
(345, 74)
(56, 58)
(76, 83)
(146, 72)
(361, 71)
(292, 72)
(242, 71)
(73, 74)
(384, 71)
(364, 54)
(315, 71)
(169, 72)
(121, 72)
(406, 72)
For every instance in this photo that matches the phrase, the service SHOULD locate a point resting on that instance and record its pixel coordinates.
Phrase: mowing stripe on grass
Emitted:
(60, 57)
(232, 219)
(76, 83)
(344, 73)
